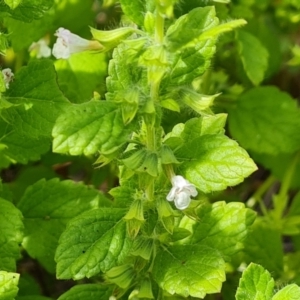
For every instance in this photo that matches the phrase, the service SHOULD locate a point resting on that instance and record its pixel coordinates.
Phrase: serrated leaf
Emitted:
(93, 242)
(190, 26)
(256, 284)
(80, 75)
(254, 56)
(37, 98)
(11, 236)
(191, 63)
(89, 128)
(266, 120)
(8, 285)
(264, 246)
(19, 148)
(134, 10)
(189, 270)
(214, 162)
(27, 10)
(47, 206)
(223, 227)
(289, 292)
(87, 292)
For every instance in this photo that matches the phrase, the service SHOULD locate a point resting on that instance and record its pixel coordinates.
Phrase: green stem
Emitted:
(257, 196)
(281, 201)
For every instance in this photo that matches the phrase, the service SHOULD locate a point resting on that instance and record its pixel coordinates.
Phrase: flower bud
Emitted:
(7, 77)
(145, 290)
(143, 247)
(121, 275)
(40, 49)
(166, 214)
(135, 217)
(167, 156)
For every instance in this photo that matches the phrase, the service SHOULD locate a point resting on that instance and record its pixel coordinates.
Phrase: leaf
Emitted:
(213, 162)
(189, 270)
(264, 246)
(93, 242)
(192, 62)
(27, 10)
(37, 98)
(11, 236)
(87, 292)
(254, 56)
(89, 128)
(19, 148)
(256, 284)
(289, 292)
(223, 227)
(33, 297)
(134, 10)
(47, 206)
(80, 75)
(266, 120)
(190, 26)
(12, 3)
(8, 285)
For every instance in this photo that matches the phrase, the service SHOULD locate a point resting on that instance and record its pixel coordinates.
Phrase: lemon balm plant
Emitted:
(139, 109)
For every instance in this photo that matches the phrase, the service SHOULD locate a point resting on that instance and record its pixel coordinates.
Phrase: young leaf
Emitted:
(89, 128)
(8, 285)
(254, 56)
(88, 69)
(256, 283)
(27, 11)
(87, 292)
(12, 3)
(36, 109)
(213, 162)
(94, 241)
(223, 227)
(189, 270)
(289, 292)
(11, 236)
(47, 206)
(266, 120)
(189, 27)
(134, 10)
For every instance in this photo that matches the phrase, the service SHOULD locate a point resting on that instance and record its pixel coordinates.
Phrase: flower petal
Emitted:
(182, 201)
(172, 194)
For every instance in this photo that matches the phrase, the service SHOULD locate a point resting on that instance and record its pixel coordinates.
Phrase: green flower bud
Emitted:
(167, 156)
(121, 275)
(146, 289)
(143, 247)
(135, 158)
(149, 22)
(135, 217)
(166, 214)
(111, 38)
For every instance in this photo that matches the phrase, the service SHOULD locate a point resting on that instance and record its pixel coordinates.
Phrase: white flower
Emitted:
(41, 48)
(181, 192)
(8, 76)
(68, 43)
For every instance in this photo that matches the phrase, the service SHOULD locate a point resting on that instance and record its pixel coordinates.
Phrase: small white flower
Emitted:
(181, 192)
(8, 76)
(41, 48)
(68, 43)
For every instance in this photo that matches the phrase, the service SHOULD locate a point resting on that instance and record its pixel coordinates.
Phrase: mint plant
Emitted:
(125, 177)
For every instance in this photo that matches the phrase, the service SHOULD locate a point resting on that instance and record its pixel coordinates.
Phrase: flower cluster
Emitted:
(181, 192)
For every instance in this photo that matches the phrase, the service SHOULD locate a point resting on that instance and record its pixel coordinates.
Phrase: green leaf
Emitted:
(192, 62)
(134, 10)
(8, 285)
(256, 284)
(190, 26)
(223, 227)
(95, 241)
(19, 148)
(264, 246)
(47, 206)
(266, 120)
(189, 270)
(33, 297)
(87, 292)
(89, 128)
(37, 98)
(214, 162)
(11, 236)
(254, 56)
(12, 3)
(27, 11)
(80, 75)
(289, 292)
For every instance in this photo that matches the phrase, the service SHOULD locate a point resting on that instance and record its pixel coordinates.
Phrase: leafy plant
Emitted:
(118, 169)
